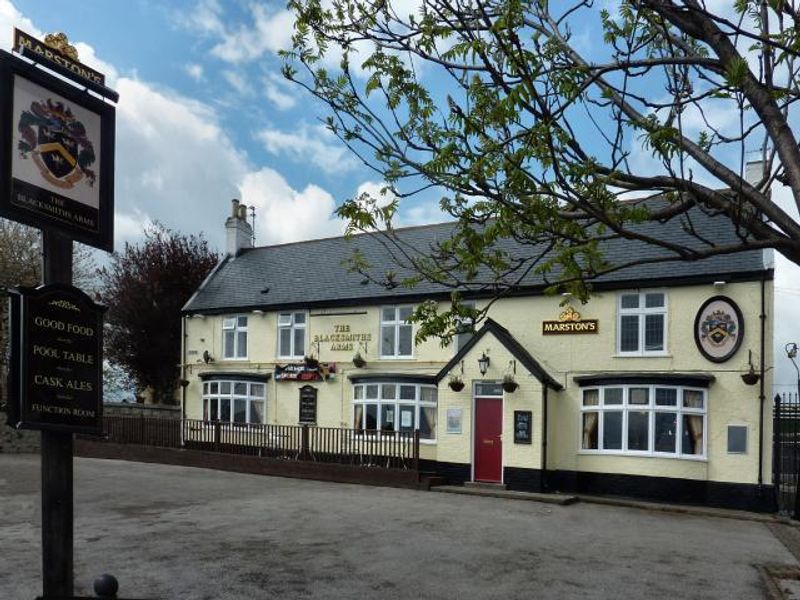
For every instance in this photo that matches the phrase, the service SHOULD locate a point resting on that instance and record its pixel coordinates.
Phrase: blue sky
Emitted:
(205, 116)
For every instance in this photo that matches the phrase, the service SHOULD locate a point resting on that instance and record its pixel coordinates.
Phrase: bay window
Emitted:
(389, 406)
(232, 401)
(642, 323)
(644, 420)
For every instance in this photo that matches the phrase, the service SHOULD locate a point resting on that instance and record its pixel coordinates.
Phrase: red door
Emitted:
(488, 445)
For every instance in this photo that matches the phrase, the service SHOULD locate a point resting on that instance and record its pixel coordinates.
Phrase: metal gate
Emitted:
(786, 452)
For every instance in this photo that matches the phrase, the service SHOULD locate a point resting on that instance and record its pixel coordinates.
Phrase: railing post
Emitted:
(416, 451)
(304, 452)
(217, 435)
(777, 465)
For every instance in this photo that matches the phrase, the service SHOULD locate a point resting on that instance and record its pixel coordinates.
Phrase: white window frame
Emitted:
(249, 397)
(652, 409)
(396, 323)
(641, 311)
(231, 323)
(396, 401)
(292, 327)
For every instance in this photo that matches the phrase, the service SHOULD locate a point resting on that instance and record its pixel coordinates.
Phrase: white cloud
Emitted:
(280, 91)
(194, 71)
(313, 144)
(205, 18)
(237, 81)
(270, 32)
(284, 214)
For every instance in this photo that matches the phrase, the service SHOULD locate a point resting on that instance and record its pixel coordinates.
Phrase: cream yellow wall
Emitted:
(563, 356)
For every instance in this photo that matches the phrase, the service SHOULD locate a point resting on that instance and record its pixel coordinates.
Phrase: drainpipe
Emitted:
(761, 397)
(544, 440)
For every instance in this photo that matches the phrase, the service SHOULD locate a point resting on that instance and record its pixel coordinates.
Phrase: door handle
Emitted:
(488, 442)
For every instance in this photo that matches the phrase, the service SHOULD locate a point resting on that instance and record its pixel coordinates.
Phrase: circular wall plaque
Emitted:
(718, 328)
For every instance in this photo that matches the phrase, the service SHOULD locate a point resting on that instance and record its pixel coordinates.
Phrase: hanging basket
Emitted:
(751, 377)
(456, 385)
(311, 362)
(359, 362)
(510, 386)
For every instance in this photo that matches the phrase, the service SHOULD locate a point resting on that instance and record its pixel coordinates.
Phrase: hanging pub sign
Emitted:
(570, 321)
(308, 405)
(58, 154)
(304, 372)
(718, 329)
(56, 360)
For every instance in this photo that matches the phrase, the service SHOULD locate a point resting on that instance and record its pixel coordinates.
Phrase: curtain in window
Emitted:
(694, 424)
(358, 418)
(590, 421)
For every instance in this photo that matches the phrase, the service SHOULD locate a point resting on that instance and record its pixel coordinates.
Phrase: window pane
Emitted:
(205, 387)
(299, 342)
(388, 391)
(358, 417)
(406, 418)
(358, 392)
(240, 388)
(612, 430)
(387, 417)
(653, 332)
(214, 413)
(242, 322)
(404, 313)
(408, 392)
(372, 392)
(388, 314)
(405, 340)
(214, 388)
(372, 416)
(488, 389)
(224, 387)
(665, 433)
(240, 411)
(590, 421)
(387, 340)
(205, 409)
(737, 439)
(224, 409)
(591, 397)
(427, 422)
(256, 412)
(629, 333)
(300, 318)
(428, 394)
(692, 442)
(638, 430)
(229, 338)
(639, 396)
(257, 390)
(629, 301)
(654, 300)
(228, 323)
(285, 345)
(241, 351)
(461, 339)
(692, 399)
(612, 396)
(666, 397)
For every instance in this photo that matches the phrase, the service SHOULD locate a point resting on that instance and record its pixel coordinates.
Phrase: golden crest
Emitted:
(59, 42)
(570, 315)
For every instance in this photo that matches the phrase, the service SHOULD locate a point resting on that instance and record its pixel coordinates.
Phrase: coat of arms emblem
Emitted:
(57, 142)
(718, 328)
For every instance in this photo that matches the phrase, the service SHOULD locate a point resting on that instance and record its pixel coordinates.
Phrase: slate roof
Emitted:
(310, 274)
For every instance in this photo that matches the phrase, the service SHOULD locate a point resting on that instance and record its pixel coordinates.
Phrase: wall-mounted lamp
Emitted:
(258, 311)
(483, 363)
(198, 316)
(720, 283)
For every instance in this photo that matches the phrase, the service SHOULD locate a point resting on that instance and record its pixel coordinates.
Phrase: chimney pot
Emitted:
(234, 207)
(238, 232)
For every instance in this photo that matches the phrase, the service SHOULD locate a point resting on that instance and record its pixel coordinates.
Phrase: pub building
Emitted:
(640, 392)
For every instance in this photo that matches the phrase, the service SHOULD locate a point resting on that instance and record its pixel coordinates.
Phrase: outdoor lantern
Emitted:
(483, 363)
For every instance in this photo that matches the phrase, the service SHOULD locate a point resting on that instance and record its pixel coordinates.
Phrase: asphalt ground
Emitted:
(174, 532)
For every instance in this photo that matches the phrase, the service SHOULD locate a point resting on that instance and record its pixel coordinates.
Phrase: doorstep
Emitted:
(500, 492)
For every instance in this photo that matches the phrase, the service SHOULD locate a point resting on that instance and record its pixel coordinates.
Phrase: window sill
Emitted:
(641, 455)
(396, 358)
(642, 355)
(237, 359)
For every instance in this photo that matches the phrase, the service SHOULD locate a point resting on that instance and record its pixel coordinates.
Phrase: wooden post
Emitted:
(57, 452)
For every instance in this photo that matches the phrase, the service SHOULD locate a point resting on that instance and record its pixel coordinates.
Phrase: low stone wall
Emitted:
(17, 441)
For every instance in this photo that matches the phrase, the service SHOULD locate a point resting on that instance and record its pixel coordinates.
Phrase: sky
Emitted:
(205, 116)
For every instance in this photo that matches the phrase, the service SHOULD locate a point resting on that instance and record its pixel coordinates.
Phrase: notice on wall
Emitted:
(56, 360)
(522, 426)
(308, 405)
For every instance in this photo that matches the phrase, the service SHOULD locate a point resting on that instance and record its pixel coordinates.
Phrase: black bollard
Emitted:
(106, 586)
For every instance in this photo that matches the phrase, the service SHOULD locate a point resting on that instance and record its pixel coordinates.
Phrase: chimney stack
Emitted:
(239, 233)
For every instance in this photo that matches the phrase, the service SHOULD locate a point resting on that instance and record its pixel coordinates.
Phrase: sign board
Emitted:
(57, 155)
(522, 426)
(570, 321)
(56, 360)
(719, 328)
(303, 372)
(308, 405)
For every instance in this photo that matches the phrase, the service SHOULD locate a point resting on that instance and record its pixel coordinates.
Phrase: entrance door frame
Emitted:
(473, 420)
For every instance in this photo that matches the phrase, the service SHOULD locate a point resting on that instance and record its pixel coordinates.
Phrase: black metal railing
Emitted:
(367, 448)
(786, 452)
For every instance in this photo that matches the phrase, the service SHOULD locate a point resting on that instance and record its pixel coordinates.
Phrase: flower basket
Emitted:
(456, 385)
(311, 362)
(359, 362)
(509, 385)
